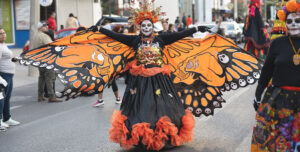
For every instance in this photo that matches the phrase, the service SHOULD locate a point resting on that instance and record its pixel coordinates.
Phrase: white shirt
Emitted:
(6, 65)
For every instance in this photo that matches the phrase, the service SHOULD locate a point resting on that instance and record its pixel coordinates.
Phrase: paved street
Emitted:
(75, 126)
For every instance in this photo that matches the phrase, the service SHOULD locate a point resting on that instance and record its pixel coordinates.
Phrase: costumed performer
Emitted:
(278, 115)
(256, 35)
(171, 77)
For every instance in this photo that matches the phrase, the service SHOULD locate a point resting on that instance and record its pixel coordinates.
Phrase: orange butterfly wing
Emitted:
(201, 68)
(86, 62)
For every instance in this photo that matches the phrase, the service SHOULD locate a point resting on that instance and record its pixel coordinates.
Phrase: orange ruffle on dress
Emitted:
(140, 70)
(153, 139)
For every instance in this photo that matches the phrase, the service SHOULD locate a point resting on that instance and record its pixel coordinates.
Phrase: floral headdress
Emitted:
(290, 7)
(146, 11)
(252, 6)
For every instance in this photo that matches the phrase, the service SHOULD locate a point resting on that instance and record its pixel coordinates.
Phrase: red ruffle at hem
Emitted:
(153, 139)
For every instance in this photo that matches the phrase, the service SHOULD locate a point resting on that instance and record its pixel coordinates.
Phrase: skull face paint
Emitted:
(146, 28)
(293, 24)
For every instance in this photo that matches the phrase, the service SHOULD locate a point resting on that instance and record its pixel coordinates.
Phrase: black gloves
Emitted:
(203, 29)
(14, 59)
(93, 28)
(256, 104)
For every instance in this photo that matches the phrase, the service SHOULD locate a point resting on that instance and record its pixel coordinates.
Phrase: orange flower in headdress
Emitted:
(290, 7)
(281, 15)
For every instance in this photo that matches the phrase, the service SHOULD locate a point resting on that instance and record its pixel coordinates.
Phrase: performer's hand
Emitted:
(93, 28)
(14, 60)
(3, 82)
(256, 104)
(203, 29)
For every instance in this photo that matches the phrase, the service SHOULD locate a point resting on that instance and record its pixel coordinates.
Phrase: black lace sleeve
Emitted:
(125, 39)
(169, 38)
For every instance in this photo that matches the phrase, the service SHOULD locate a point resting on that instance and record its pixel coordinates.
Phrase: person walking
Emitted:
(46, 77)
(72, 22)
(7, 70)
(278, 113)
(52, 22)
(257, 39)
(100, 101)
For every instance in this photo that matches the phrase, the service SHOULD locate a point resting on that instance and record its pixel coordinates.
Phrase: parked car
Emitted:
(112, 19)
(64, 32)
(232, 31)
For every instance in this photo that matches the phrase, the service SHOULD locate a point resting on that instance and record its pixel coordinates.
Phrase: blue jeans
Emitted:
(5, 103)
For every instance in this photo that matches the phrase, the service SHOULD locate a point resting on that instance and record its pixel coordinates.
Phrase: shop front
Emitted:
(6, 19)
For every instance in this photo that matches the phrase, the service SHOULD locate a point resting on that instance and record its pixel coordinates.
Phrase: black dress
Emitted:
(256, 36)
(278, 117)
(151, 116)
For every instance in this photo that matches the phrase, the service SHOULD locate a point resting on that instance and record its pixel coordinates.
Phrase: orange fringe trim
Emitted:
(140, 70)
(154, 140)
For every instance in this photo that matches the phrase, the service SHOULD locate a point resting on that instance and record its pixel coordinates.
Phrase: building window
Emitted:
(221, 2)
(96, 1)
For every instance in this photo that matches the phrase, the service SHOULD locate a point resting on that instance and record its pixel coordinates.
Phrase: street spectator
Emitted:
(132, 28)
(72, 22)
(125, 30)
(77, 20)
(46, 77)
(117, 28)
(171, 28)
(217, 28)
(184, 20)
(189, 21)
(50, 33)
(52, 22)
(180, 27)
(165, 25)
(100, 101)
(7, 70)
(177, 20)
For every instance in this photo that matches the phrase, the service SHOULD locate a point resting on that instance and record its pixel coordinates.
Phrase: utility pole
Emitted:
(235, 9)
(34, 19)
(193, 11)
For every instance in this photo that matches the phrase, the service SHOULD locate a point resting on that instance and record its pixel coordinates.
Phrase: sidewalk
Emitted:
(21, 77)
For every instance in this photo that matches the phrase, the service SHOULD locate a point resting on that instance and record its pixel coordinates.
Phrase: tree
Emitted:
(109, 6)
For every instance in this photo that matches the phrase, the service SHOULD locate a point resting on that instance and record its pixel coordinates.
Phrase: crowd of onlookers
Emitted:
(46, 83)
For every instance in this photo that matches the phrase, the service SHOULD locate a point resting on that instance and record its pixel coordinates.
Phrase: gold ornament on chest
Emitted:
(296, 57)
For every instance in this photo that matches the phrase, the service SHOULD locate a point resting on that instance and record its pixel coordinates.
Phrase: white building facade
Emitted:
(87, 11)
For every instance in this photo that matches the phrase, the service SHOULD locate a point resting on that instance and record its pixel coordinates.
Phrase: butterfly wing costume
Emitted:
(170, 78)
